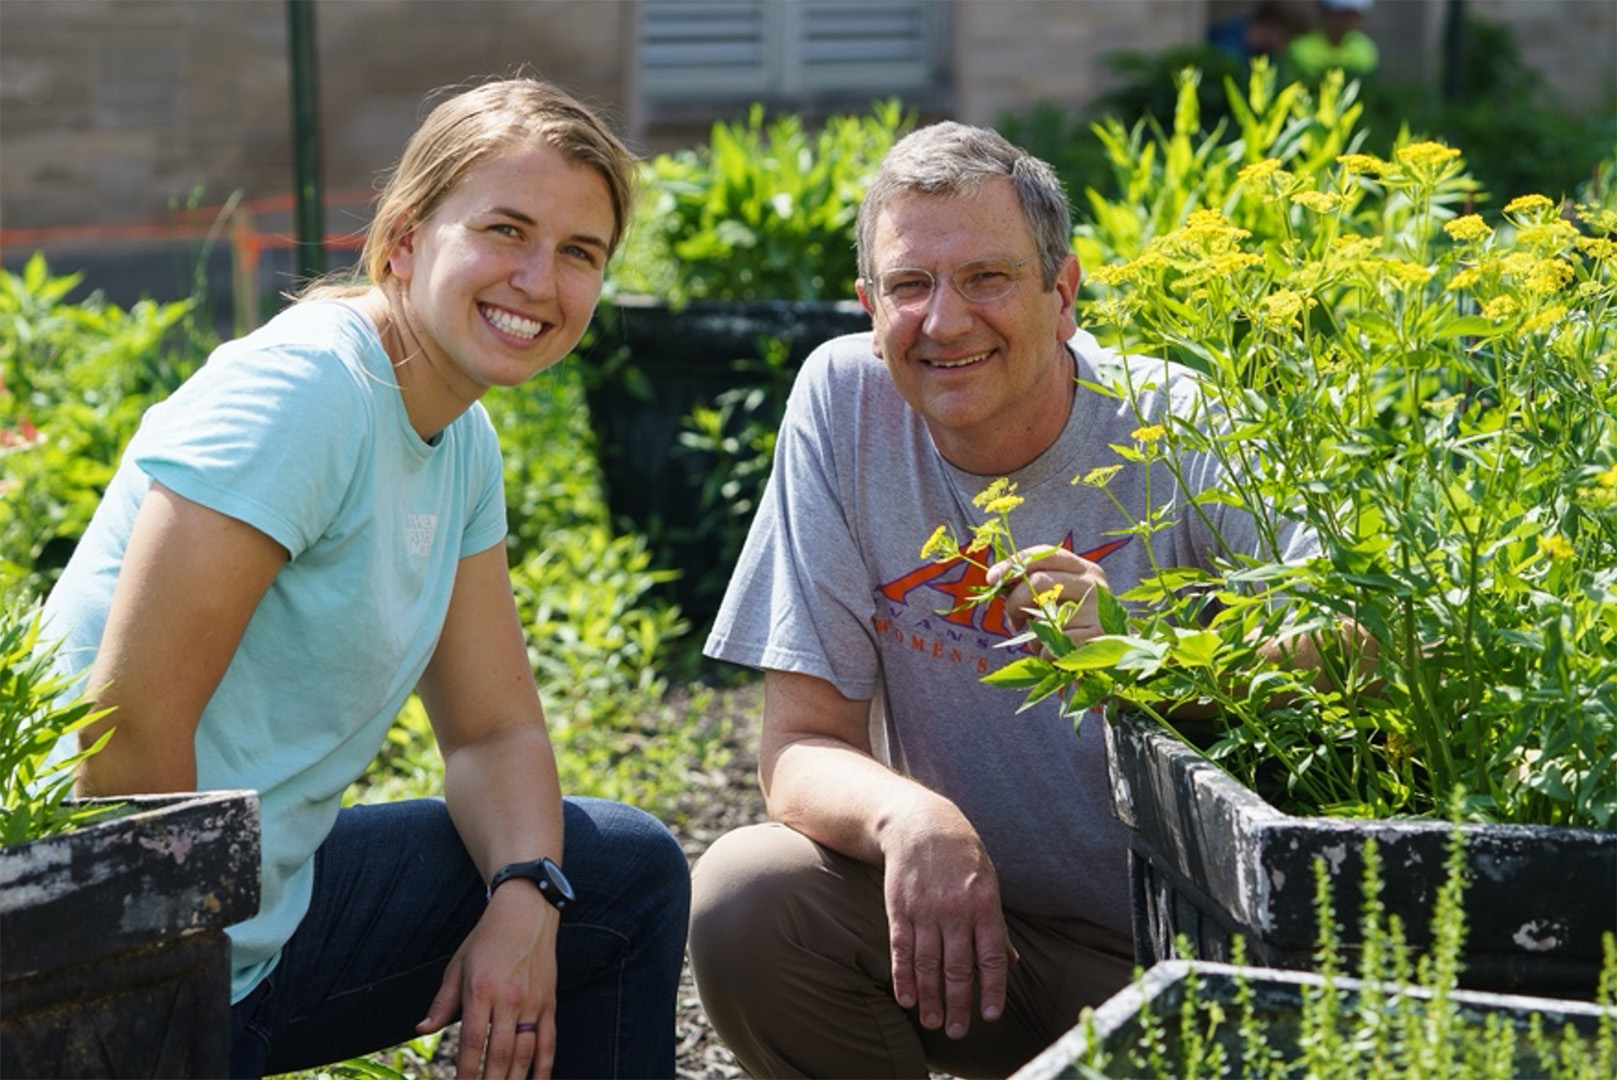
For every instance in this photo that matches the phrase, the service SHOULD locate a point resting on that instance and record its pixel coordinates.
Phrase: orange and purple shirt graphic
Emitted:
(956, 631)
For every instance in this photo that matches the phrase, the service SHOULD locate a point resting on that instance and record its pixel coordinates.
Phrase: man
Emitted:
(943, 882)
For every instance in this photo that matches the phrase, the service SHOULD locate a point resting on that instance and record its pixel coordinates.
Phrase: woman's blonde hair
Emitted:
(460, 132)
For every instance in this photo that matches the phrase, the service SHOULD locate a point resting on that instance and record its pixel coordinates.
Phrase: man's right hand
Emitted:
(945, 920)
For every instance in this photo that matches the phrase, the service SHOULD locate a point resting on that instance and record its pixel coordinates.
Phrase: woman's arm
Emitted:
(190, 581)
(501, 787)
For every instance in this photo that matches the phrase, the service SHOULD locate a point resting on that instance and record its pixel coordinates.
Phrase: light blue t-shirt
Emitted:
(299, 430)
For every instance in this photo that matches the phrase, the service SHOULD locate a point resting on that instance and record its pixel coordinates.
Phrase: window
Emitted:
(789, 50)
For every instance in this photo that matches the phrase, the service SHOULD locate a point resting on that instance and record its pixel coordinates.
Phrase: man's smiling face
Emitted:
(992, 379)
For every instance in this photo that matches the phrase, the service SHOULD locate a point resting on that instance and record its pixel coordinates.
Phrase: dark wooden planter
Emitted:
(1209, 859)
(1277, 1008)
(649, 366)
(114, 959)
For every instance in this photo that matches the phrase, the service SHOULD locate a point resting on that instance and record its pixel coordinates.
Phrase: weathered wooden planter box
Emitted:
(1209, 859)
(1277, 1009)
(650, 366)
(113, 954)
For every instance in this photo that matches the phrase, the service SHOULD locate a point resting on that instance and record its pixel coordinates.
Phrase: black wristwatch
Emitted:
(546, 876)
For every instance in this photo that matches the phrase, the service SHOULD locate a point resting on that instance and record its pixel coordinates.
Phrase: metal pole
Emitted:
(309, 212)
(1454, 89)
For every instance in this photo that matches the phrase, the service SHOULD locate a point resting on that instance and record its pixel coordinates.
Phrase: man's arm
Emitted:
(820, 777)
(501, 788)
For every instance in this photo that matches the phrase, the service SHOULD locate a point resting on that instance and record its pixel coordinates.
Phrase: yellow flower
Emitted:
(1113, 274)
(1098, 477)
(1284, 305)
(940, 544)
(1149, 434)
(1549, 275)
(1048, 596)
(1321, 202)
(1002, 505)
(1405, 273)
(1544, 319)
(1608, 478)
(1467, 228)
(1597, 247)
(1547, 235)
(1426, 154)
(1357, 163)
(1523, 204)
(1465, 278)
(1258, 170)
(1598, 218)
(1500, 307)
(1557, 546)
(996, 488)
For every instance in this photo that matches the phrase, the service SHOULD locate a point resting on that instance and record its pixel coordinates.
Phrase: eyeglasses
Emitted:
(979, 282)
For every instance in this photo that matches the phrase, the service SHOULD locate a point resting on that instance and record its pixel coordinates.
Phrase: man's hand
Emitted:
(503, 975)
(1049, 567)
(944, 917)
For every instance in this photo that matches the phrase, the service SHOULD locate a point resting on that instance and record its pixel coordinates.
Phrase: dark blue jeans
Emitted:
(394, 896)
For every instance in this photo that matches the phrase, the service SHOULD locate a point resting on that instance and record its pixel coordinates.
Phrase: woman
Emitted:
(311, 528)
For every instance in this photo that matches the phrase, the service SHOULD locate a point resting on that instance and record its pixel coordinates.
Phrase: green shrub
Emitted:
(35, 712)
(74, 381)
(765, 210)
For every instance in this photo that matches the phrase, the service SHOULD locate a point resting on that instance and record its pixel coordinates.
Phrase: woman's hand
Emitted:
(502, 984)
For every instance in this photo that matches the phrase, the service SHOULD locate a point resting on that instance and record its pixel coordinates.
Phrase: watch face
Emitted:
(558, 880)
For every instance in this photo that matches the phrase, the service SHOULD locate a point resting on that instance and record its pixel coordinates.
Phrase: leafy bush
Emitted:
(765, 210)
(1432, 394)
(35, 712)
(74, 381)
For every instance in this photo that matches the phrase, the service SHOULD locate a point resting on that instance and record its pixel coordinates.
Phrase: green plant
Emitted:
(765, 210)
(736, 435)
(1431, 394)
(75, 379)
(35, 712)
(1398, 1018)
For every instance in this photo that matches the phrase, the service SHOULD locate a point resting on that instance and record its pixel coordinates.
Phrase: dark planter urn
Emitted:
(1209, 859)
(113, 954)
(1277, 1009)
(647, 368)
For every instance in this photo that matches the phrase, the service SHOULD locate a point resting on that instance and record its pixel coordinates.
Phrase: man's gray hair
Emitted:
(952, 159)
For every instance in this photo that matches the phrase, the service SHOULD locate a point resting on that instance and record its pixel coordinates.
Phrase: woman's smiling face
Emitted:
(501, 279)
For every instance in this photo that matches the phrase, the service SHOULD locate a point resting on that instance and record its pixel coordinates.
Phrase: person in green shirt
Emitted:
(1338, 42)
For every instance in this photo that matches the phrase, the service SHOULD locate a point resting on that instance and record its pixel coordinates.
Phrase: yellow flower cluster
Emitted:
(1283, 306)
(999, 497)
(1362, 163)
(1425, 155)
(1469, 228)
(1527, 204)
(1259, 171)
(1405, 274)
(1321, 202)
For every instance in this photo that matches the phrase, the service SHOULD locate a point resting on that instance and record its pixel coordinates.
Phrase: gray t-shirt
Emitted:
(831, 583)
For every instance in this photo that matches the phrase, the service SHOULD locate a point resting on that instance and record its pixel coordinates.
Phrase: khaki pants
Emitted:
(789, 947)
